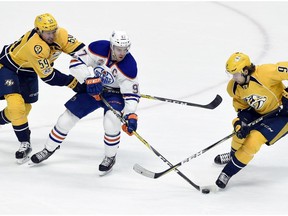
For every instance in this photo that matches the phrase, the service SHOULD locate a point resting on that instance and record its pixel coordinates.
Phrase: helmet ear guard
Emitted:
(237, 63)
(45, 22)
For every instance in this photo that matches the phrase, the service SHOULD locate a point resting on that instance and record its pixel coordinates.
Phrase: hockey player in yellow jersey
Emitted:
(22, 62)
(256, 90)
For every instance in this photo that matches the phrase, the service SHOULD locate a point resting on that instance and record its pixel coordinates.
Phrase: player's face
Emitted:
(239, 78)
(120, 53)
(49, 36)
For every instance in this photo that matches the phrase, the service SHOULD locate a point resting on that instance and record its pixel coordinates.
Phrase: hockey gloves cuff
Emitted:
(131, 123)
(75, 85)
(241, 129)
(94, 87)
(284, 111)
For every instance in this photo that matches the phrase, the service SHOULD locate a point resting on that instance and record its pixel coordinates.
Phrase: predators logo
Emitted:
(256, 101)
(9, 82)
(37, 49)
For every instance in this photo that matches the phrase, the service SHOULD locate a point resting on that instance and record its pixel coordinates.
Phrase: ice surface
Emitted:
(181, 49)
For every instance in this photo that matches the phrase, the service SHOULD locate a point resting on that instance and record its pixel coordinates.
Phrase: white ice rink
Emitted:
(181, 49)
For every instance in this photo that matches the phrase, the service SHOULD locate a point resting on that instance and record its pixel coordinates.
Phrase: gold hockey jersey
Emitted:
(32, 54)
(264, 90)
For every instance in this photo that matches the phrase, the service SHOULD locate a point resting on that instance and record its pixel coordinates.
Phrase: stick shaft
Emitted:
(149, 146)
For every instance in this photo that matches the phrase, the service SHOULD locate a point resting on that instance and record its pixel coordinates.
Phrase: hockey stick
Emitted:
(150, 174)
(155, 151)
(212, 105)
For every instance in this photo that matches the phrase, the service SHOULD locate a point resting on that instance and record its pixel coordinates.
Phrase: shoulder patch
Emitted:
(38, 49)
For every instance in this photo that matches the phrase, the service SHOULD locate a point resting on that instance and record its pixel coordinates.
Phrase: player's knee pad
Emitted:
(66, 121)
(250, 147)
(111, 123)
(15, 110)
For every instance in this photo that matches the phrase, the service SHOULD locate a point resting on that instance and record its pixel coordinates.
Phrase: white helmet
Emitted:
(120, 39)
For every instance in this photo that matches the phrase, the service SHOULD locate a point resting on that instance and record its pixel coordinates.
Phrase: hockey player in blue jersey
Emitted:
(115, 78)
(21, 63)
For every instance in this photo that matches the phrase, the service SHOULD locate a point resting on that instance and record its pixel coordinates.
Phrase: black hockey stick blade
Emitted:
(215, 103)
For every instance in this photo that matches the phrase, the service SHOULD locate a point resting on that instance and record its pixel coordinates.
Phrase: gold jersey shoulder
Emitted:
(264, 90)
(31, 53)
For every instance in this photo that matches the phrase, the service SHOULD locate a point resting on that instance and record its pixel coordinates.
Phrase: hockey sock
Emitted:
(22, 132)
(111, 144)
(233, 166)
(57, 136)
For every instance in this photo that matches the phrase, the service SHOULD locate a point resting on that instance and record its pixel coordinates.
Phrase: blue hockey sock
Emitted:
(22, 132)
(233, 167)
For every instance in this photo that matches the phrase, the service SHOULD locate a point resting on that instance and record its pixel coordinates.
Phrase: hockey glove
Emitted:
(284, 99)
(75, 85)
(241, 129)
(131, 124)
(94, 87)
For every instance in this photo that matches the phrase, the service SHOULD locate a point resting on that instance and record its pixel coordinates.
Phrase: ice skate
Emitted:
(22, 155)
(106, 166)
(41, 156)
(222, 159)
(222, 180)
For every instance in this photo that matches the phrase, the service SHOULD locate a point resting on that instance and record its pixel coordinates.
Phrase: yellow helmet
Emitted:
(45, 22)
(236, 62)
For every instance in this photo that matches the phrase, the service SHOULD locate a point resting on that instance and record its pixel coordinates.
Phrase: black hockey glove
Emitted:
(284, 99)
(241, 128)
(75, 85)
(248, 115)
(240, 123)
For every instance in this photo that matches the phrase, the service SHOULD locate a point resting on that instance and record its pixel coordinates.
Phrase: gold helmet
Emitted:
(45, 22)
(236, 62)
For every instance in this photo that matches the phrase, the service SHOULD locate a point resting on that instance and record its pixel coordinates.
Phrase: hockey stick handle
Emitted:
(156, 175)
(149, 146)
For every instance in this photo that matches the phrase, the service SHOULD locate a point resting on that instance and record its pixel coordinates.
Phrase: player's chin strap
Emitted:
(151, 174)
(150, 147)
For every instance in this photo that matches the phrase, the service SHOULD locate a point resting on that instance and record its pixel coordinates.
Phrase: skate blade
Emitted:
(23, 160)
(103, 173)
(31, 163)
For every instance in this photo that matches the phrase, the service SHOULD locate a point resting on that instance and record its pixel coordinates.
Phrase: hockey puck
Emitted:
(205, 191)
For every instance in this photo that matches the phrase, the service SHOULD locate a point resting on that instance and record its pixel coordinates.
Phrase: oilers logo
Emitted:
(106, 77)
(256, 101)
